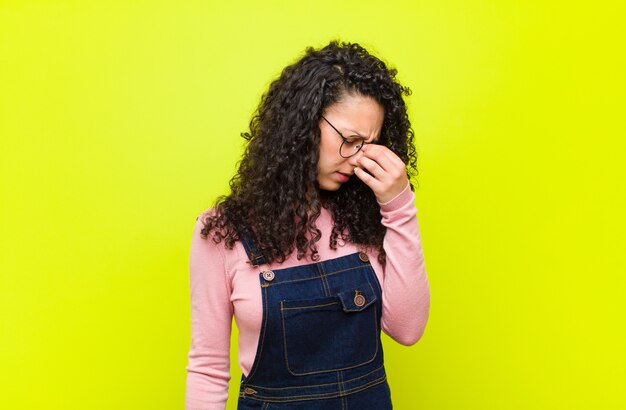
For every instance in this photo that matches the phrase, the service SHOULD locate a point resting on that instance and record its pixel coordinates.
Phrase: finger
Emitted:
(367, 179)
(383, 156)
(393, 167)
(389, 154)
(371, 166)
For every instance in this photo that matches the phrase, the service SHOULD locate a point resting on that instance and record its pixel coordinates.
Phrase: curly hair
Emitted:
(275, 199)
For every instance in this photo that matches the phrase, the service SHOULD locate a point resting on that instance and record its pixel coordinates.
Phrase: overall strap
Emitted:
(256, 257)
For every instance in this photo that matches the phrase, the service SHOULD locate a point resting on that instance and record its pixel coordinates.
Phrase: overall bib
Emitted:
(319, 345)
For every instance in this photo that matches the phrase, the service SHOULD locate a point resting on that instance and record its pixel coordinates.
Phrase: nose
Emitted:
(353, 160)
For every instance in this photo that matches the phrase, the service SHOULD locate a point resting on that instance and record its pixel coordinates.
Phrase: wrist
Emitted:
(398, 200)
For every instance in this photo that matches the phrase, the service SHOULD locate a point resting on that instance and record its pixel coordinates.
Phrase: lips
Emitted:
(343, 177)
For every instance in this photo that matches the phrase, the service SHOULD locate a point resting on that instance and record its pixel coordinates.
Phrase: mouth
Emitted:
(343, 177)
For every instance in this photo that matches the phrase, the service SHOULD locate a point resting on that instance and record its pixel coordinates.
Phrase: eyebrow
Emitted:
(351, 132)
(364, 138)
(354, 133)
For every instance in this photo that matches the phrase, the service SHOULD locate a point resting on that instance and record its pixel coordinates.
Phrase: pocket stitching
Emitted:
(375, 315)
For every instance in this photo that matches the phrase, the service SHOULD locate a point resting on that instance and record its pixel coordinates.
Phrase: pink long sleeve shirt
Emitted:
(223, 284)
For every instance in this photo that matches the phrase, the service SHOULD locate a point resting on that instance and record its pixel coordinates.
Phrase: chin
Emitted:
(329, 186)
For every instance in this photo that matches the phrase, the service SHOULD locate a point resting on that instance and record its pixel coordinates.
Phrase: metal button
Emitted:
(363, 257)
(268, 275)
(359, 299)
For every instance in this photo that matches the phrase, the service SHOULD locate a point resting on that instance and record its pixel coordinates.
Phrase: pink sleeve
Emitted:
(208, 371)
(406, 294)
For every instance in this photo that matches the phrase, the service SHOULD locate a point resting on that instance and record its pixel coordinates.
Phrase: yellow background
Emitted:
(120, 122)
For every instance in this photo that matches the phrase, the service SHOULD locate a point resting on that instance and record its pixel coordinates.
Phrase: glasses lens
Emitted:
(349, 148)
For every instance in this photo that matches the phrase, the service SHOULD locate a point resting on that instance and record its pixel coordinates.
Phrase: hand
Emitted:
(387, 173)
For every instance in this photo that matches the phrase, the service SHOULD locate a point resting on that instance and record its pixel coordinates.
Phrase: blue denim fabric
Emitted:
(319, 346)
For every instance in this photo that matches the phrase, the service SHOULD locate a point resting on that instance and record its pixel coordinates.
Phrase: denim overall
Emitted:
(319, 345)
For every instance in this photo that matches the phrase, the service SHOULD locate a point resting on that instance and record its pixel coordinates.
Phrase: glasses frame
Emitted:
(345, 140)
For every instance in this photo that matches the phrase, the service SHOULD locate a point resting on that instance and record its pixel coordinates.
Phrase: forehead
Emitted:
(357, 114)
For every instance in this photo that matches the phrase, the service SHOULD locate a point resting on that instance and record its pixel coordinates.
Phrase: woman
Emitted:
(316, 248)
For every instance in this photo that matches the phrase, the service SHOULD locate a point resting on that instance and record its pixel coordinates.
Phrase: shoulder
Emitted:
(211, 232)
(206, 214)
(210, 250)
(200, 230)
(207, 248)
(205, 223)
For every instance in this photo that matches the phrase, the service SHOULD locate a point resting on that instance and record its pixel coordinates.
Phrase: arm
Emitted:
(406, 294)
(208, 371)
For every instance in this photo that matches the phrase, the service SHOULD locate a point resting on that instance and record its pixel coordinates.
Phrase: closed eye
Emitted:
(354, 140)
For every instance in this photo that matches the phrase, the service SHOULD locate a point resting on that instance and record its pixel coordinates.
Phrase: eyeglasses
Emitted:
(350, 146)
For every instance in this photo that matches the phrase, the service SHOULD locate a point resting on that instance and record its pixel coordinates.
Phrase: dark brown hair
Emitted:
(274, 194)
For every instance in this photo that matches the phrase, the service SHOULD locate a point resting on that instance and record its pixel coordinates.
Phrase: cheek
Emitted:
(325, 161)
(328, 153)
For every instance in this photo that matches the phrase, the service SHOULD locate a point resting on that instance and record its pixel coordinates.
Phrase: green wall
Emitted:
(120, 122)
